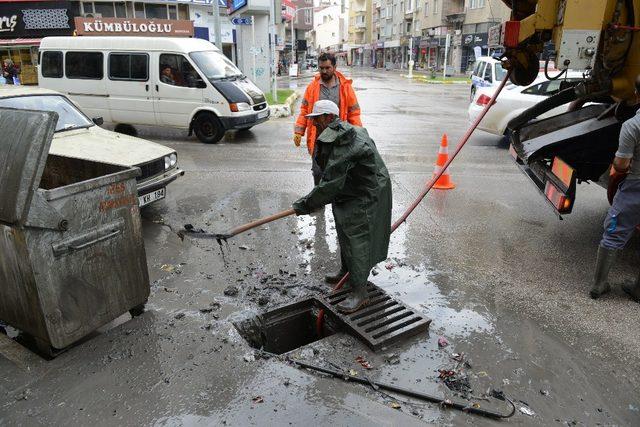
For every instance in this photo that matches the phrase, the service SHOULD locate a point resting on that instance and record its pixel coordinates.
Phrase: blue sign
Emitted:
(235, 5)
(241, 21)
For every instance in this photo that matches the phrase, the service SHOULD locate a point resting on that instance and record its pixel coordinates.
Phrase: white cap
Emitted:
(324, 106)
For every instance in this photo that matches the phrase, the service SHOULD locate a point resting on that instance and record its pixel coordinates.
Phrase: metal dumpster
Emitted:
(72, 256)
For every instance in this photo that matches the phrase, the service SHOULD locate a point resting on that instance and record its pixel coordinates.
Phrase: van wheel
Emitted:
(208, 128)
(126, 129)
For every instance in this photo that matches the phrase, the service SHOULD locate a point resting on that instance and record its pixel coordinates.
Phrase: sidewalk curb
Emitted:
(284, 110)
(437, 82)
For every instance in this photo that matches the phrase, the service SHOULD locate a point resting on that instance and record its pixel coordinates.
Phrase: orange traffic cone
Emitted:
(444, 182)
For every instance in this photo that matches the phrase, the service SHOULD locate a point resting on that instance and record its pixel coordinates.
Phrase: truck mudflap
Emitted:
(562, 150)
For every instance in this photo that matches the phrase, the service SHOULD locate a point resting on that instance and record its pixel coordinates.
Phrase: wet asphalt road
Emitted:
(502, 278)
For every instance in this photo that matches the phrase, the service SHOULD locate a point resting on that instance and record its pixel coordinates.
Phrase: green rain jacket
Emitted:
(356, 182)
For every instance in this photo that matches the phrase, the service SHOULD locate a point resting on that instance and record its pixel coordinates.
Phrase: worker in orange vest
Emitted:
(333, 86)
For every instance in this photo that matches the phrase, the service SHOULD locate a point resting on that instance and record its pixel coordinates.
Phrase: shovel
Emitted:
(189, 230)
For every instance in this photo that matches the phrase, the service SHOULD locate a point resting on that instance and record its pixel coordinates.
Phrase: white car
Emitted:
(78, 137)
(513, 100)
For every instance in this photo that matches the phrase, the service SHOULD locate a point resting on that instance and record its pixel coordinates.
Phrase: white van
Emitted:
(175, 82)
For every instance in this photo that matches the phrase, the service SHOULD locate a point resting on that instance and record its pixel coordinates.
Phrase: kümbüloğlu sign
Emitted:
(133, 27)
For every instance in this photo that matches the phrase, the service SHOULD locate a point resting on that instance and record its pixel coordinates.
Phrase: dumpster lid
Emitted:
(24, 147)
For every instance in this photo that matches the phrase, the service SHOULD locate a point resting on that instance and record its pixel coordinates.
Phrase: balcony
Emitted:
(453, 11)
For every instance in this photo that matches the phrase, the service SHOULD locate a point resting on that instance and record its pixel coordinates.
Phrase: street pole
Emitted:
(274, 63)
(253, 45)
(293, 52)
(216, 24)
(410, 56)
(446, 54)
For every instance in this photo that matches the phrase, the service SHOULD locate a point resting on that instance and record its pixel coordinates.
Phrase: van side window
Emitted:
(84, 65)
(176, 70)
(129, 66)
(52, 64)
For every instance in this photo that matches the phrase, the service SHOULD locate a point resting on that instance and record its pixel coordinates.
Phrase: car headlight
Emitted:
(240, 106)
(173, 159)
(167, 162)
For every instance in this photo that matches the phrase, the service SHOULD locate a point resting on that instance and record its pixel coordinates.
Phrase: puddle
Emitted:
(286, 328)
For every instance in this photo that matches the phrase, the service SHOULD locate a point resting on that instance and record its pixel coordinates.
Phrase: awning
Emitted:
(20, 42)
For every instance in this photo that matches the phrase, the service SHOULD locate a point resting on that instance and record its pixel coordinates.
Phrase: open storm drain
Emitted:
(383, 322)
(286, 328)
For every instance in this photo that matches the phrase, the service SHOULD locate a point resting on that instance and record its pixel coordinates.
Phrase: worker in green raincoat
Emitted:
(356, 182)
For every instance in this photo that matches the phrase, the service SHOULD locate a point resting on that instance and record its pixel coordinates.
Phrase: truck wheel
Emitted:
(208, 128)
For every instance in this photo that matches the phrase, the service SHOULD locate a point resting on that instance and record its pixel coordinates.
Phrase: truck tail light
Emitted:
(483, 100)
(556, 195)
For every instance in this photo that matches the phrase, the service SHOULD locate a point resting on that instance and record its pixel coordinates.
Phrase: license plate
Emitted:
(263, 114)
(145, 199)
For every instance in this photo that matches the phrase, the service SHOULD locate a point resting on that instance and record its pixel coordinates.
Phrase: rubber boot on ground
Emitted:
(605, 260)
(333, 279)
(633, 289)
(356, 300)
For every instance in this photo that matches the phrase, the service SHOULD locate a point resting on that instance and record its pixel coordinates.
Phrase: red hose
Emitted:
(427, 188)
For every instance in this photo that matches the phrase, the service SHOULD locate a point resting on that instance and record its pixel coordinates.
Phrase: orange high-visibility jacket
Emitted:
(349, 108)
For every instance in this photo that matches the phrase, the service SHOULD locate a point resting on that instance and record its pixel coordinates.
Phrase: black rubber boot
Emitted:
(633, 289)
(332, 279)
(605, 260)
(357, 299)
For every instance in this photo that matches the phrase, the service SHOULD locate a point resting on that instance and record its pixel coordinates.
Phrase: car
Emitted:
(78, 136)
(513, 100)
(488, 72)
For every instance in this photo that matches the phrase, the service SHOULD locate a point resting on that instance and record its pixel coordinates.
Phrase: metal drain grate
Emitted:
(384, 321)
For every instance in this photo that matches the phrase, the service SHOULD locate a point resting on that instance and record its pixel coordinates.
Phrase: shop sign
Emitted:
(133, 27)
(477, 39)
(35, 19)
(288, 9)
(378, 45)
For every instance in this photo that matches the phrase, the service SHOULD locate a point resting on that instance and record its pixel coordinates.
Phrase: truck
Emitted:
(598, 36)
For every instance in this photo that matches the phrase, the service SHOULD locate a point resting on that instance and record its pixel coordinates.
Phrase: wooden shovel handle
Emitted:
(259, 222)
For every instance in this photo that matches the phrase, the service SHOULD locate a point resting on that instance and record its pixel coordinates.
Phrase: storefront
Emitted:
(22, 27)
(392, 54)
(378, 53)
(472, 44)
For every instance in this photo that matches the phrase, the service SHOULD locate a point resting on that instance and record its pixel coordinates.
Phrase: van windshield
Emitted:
(215, 65)
(69, 117)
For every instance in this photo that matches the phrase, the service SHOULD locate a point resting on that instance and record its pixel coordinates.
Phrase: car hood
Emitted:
(100, 145)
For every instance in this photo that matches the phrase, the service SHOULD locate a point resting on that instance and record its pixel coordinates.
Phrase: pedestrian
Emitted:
(624, 214)
(356, 182)
(330, 85)
(10, 72)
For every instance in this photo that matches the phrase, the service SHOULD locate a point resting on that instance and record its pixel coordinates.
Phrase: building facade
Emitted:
(359, 40)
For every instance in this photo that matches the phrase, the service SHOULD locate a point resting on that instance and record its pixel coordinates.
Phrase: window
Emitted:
(308, 17)
(121, 10)
(69, 117)
(426, 9)
(52, 64)
(173, 11)
(139, 8)
(183, 11)
(435, 7)
(125, 66)
(175, 70)
(488, 73)
(84, 65)
(156, 11)
(534, 90)
(476, 4)
(105, 9)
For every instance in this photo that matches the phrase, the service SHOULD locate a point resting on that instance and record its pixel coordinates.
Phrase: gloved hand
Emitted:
(615, 178)
(297, 139)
